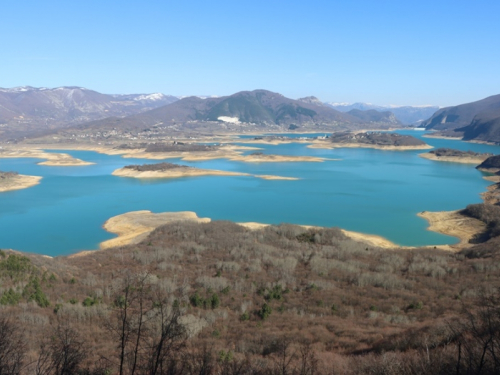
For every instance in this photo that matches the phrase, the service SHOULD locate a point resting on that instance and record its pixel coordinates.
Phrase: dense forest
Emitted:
(218, 298)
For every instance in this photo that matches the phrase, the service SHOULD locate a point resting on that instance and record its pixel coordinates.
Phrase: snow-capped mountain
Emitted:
(28, 109)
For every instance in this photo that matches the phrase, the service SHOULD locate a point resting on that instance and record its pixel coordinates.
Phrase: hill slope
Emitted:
(463, 115)
(246, 111)
(372, 115)
(24, 110)
(407, 115)
(484, 127)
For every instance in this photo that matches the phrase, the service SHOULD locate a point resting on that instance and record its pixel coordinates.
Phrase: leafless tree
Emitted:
(12, 347)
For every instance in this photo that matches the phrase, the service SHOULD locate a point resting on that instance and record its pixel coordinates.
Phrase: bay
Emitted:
(370, 191)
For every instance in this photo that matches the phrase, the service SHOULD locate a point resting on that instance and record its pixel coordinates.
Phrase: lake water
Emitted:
(370, 191)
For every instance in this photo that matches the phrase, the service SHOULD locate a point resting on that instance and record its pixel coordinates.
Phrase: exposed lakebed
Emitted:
(371, 191)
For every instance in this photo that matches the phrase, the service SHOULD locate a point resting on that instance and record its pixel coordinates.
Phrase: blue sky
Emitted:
(378, 51)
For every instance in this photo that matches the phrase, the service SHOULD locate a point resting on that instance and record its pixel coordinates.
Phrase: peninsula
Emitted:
(51, 159)
(133, 227)
(376, 140)
(15, 181)
(456, 156)
(169, 170)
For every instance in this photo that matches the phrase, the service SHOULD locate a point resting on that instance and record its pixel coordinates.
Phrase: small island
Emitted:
(456, 156)
(377, 140)
(15, 181)
(170, 170)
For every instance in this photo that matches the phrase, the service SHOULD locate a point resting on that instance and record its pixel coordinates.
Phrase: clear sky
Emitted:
(440, 52)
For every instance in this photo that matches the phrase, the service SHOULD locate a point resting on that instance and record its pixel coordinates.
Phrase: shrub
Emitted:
(10, 297)
(265, 311)
(33, 292)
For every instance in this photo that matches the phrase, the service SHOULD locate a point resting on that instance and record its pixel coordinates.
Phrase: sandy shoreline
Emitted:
(454, 159)
(453, 223)
(133, 227)
(331, 145)
(489, 170)
(18, 182)
(51, 159)
(190, 172)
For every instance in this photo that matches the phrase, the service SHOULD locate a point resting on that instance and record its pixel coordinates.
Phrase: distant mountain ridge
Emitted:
(479, 120)
(407, 115)
(33, 109)
(371, 115)
(461, 115)
(258, 108)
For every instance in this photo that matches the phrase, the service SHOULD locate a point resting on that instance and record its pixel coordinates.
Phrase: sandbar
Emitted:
(332, 145)
(189, 172)
(453, 223)
(133, 227)
(18, 182)
(454, 159)
(51, 159)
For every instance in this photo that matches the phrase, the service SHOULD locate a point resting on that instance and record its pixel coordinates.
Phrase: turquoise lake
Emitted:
(369, 191)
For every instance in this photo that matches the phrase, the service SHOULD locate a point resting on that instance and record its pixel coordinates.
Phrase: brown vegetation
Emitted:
(155, 167)
(219, 298)
(6, 175)
(458, 153)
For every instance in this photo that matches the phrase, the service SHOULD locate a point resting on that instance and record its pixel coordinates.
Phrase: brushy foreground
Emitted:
(217, 298)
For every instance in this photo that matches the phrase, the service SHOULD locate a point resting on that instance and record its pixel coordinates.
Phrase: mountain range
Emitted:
(245, 111)
(479, 120)
(407, 115)
(29, 110)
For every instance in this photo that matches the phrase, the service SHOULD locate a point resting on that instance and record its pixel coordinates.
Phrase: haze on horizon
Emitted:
(387, 53)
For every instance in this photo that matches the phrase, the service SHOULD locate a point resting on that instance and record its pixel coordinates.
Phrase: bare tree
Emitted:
(308, 363)
(128, 321)
(12, 347)
(61, 352)
(167, 336)
(477, 337)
